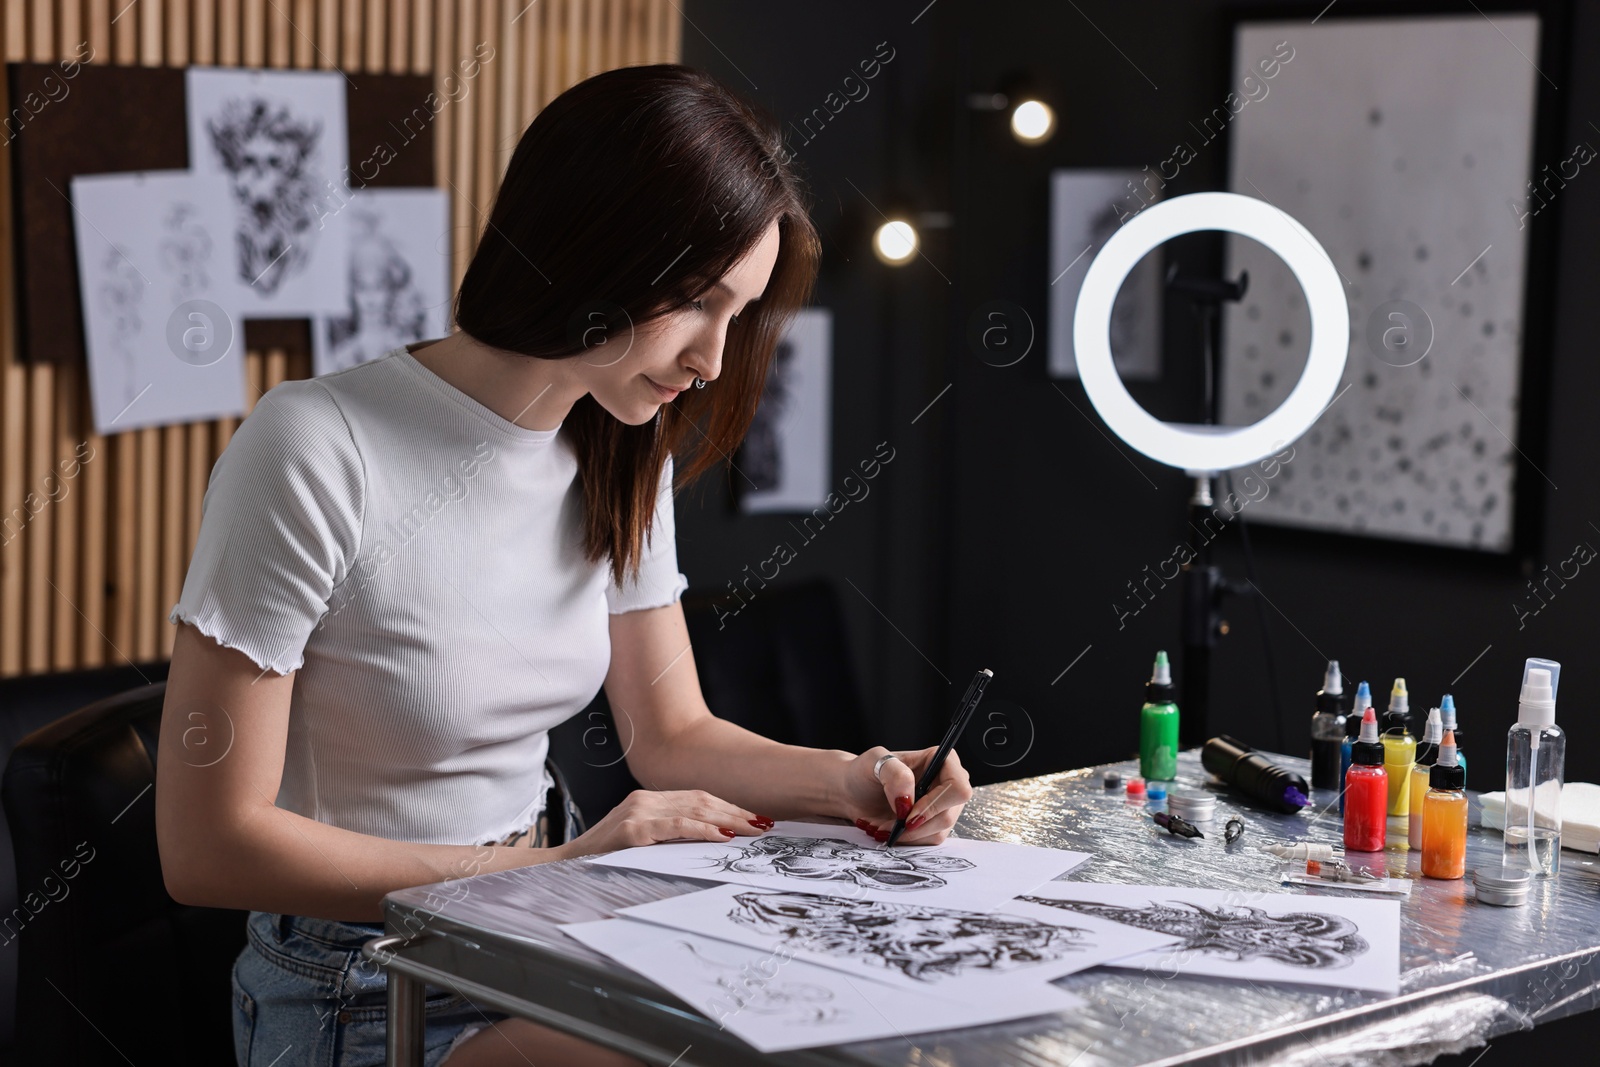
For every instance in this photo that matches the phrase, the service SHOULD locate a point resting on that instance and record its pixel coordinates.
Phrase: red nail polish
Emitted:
(902, 805)
(725, 831)
(918, 821)
(880, 835)
(865, 826)
(760, 824)
(767, 819)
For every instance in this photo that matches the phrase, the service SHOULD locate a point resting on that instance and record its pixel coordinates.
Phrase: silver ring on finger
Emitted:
(877, 767)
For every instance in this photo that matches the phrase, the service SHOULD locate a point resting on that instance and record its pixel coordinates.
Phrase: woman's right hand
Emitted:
(647, 816)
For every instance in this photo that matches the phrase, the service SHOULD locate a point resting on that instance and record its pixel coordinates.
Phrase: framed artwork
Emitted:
(785, 456)
(1086, 207)
(1405, 145)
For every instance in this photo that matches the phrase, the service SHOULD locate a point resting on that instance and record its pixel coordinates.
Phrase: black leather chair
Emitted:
(780, 667)
(27, 703)
(111, 969)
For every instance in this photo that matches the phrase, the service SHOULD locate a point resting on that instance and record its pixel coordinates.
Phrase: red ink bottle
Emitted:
(1366, 791)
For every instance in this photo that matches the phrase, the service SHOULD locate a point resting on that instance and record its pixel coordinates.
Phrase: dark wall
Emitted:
(882, 551)
(1014, 522)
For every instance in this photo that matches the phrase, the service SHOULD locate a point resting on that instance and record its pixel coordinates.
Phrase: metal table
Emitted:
(1470, 971)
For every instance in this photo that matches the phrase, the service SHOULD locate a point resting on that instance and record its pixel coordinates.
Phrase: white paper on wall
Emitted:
(279, 137)
(397, 280)
(164, 342)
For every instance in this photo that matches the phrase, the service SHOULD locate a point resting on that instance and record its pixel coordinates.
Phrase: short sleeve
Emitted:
(280, 527)
(658, 582)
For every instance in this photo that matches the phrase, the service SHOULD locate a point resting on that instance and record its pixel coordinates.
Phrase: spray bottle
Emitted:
(1444, 815)
(1327, 730)
(1447, 709)
(1366, 790)
(1352, 730)
(1399, 753)
(1536, 751)
(1427, 754)
(1158, 726)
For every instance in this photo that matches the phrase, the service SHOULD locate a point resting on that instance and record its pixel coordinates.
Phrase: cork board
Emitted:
(108, 119)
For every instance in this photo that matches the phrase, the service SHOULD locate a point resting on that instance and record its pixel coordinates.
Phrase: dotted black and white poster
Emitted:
(1405, 147)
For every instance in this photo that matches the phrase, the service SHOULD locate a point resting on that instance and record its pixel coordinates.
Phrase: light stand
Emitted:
(1204, 449)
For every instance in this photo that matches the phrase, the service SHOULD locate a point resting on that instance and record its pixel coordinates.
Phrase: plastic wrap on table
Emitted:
(1470, 971)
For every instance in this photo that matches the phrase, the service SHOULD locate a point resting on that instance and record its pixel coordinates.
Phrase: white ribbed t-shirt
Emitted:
(417, 561)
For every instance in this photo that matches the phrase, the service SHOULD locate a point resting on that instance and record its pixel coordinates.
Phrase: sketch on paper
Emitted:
(1086, 208)
(926, 944)
(798, 1003)
(279, 137)
(777, 1002)
(398, 281)
(1259, 936)
(827, 859)
(908, 944)
(1241, 933)
(785, 455)
(161, 336)
(814, 857)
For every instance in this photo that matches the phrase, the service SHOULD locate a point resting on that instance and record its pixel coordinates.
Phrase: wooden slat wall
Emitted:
(86, 581)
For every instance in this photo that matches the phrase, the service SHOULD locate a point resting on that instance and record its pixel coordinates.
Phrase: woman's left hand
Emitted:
(874, 806)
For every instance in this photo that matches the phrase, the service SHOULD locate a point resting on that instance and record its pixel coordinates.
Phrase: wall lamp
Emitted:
(896, 240)
(1033, 121)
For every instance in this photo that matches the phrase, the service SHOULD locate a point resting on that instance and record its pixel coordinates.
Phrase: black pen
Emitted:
(958, 723)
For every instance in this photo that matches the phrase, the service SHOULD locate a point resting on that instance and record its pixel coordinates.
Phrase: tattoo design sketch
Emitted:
(926, 944)
(747, 988)
(386, 310)
(120, 295)
(272, 160)
(830, 859)
(1241, 933)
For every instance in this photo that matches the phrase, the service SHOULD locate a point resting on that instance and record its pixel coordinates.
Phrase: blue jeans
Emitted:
(304, 996)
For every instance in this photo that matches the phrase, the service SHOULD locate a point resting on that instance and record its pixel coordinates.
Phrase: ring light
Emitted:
(1197, 447)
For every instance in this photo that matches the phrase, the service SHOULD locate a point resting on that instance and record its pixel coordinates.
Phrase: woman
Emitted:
(409, 571)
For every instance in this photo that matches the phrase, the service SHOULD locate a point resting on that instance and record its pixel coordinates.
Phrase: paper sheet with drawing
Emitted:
(980, 957)
(165, 344)
(775, 1002)
(817, 858)
(1263, 937)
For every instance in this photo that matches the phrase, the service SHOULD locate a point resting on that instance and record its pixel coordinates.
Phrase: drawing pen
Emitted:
(958, 723)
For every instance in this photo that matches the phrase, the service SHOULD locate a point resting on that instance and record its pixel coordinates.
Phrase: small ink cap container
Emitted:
(1503, 886)
(1194, 807)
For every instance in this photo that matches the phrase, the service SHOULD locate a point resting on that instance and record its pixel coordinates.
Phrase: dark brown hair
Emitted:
(627, 197)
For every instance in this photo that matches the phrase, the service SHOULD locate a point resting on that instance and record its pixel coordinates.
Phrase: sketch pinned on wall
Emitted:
(777, 1002)
(946, 951)
(1264, 937)
(1086, 208)
(398, 279)
(1420, 217)
(819, 858)
(279, 137)
(785, 456)
(163, 340)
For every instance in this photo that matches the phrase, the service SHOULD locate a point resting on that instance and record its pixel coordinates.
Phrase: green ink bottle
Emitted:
(1158, 726)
